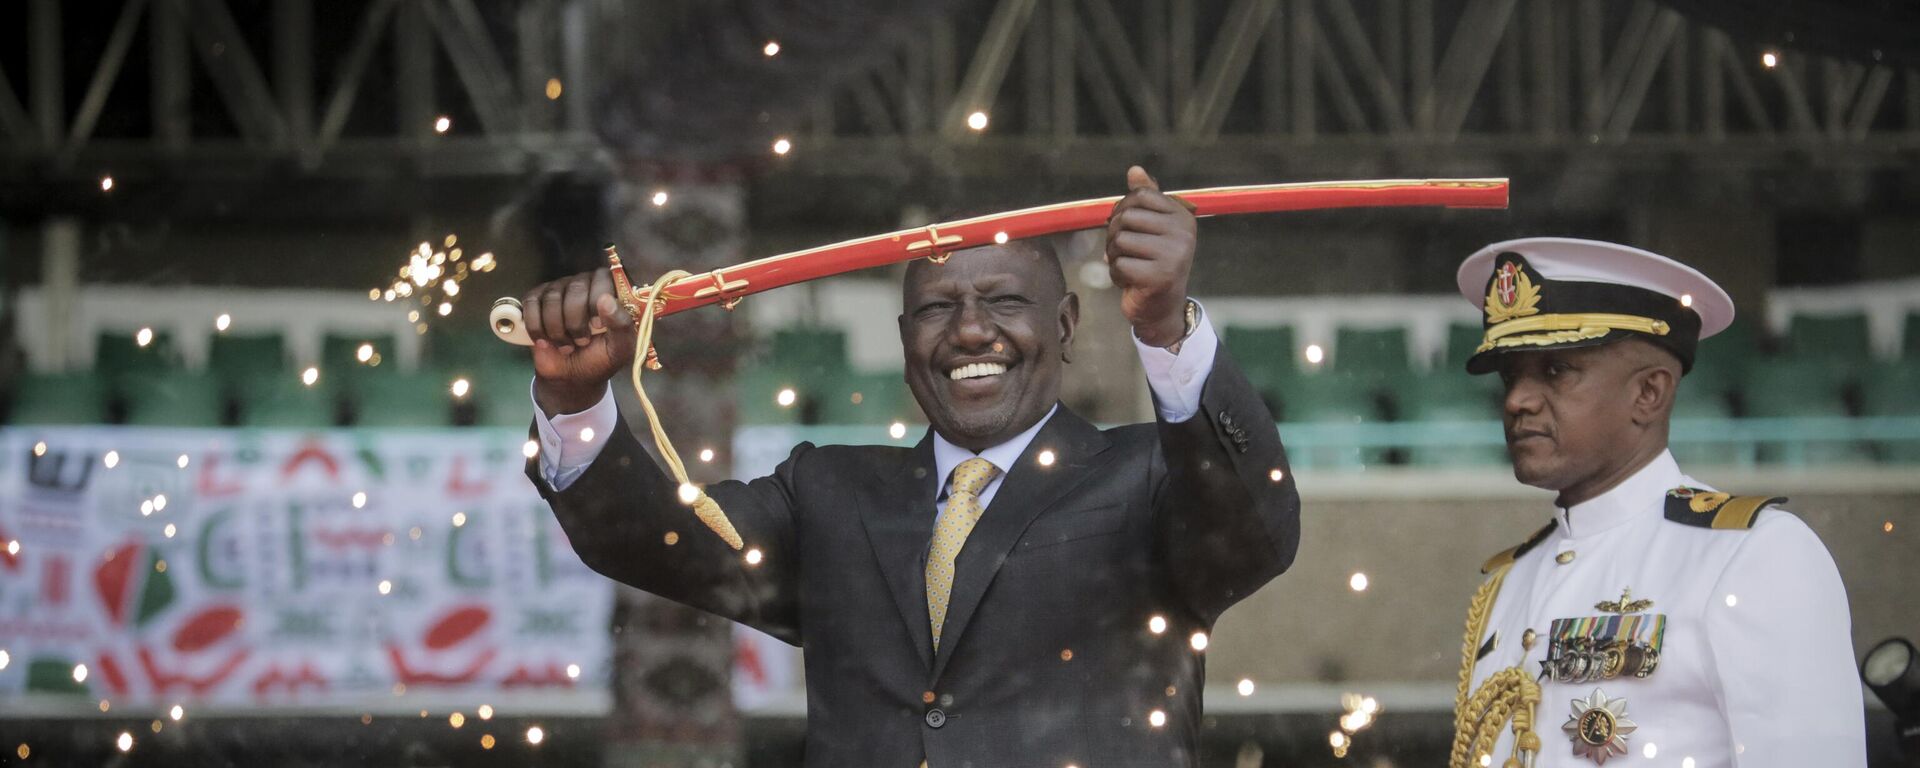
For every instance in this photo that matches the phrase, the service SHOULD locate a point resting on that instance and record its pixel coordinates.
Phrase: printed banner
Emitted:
(362, 570)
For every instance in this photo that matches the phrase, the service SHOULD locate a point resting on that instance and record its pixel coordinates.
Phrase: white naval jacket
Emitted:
(1757, 666)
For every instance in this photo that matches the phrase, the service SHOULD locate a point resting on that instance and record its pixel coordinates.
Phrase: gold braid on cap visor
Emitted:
(1541, 330)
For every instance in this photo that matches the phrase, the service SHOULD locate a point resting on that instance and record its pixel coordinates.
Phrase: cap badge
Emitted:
(1511, 294)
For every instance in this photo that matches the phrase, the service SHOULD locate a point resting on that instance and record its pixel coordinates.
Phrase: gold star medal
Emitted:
(1598, 727)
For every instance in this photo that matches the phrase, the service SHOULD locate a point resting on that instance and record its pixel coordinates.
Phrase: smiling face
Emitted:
(985, 337)
(1580, 420)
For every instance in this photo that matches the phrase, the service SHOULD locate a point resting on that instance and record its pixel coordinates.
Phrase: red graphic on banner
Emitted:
(308, 453)
(111, 672)
(211, 485)
(53, 581)
(113, 579)
(454, 628)
(165, 680)
(458, 486)
(350, 538)
(277, 677)
(206, 628)
(527, 676)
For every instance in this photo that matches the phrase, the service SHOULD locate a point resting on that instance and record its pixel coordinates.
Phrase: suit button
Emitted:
(936, 718)
(1226, 419)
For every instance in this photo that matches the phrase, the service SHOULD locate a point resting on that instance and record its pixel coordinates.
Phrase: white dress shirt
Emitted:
(1176, 380)
(1757, 667)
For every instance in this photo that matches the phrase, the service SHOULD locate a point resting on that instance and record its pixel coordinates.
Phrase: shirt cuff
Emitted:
(1177, 380)
(570, 441)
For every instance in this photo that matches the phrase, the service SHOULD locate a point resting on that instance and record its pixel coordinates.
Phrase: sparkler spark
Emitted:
(435, 276)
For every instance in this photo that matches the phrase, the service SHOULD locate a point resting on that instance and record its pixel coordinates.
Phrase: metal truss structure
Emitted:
(1297, 83)
(374, 114)
(1224, 87)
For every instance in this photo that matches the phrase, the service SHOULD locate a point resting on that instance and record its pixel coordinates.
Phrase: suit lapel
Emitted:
(1028, 490)
(899, 523)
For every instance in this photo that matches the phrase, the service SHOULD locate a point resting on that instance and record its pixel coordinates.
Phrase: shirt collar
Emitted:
(946, 455)
(1633, 497)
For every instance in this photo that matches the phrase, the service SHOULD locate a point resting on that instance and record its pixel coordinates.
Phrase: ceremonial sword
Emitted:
(726, 286)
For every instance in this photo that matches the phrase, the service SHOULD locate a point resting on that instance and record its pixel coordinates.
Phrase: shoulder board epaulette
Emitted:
(1511, 554)
(1702, 508)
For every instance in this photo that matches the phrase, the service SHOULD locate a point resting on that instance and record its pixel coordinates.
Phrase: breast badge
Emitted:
(1598, 727)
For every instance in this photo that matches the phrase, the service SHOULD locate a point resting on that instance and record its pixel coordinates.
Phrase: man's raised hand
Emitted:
(1150, 241)
(571, 364)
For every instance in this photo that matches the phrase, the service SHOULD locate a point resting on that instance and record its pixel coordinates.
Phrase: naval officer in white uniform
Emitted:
(1654, 620)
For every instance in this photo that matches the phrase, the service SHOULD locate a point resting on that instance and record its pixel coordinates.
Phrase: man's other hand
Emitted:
(1150, 239)
(571, 364)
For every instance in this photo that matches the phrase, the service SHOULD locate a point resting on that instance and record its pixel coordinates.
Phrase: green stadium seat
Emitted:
(1266, 352)
(469, 349)
(174, 399)
(1719, 360)
(502, 395)
(340, 354)
(1331, 399)
(1704, 404)
(1371, 351)
(119, 353)
(868, 398)
(1829, 336)
(808, 348)
(1910, 337)
(395, 399)
(59, 398)
(1451, 396)
(1894, 390)
(234, 357)
(756, 392)
(280, 400)
(1799, 388)
(1462, 340)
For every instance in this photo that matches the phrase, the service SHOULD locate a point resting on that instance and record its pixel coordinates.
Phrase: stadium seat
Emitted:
(1267, 355)
(474, 350)
(395, 399)
(281, 400)
(807, 348)
(1462, 340)
(1829, 336)
(59, 398)
(1331, 398)
(1452, 396)
(1792, 388)
(234, 358)
(173, 399)
(119, 353)
(1697, 404)
(340, 354)
(1910, 337)
(756, 392)
(1380, 352)
(501, 395)
(1894, 390)
(869, 398)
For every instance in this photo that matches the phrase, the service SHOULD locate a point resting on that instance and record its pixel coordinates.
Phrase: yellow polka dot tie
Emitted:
(963, 510)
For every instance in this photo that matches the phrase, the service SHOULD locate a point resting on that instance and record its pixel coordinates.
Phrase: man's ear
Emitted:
(1654, 388)
(1069, 321)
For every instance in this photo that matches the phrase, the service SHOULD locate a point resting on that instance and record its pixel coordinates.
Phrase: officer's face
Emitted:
(1569, 413)
(985, 336)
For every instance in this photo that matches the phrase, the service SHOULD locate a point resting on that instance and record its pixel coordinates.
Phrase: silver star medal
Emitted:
(1599, 727)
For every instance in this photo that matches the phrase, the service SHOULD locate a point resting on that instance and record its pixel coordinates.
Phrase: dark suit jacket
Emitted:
(1046, 659)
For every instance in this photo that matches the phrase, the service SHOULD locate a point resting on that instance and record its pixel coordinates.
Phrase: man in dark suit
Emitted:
(1018, 589)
